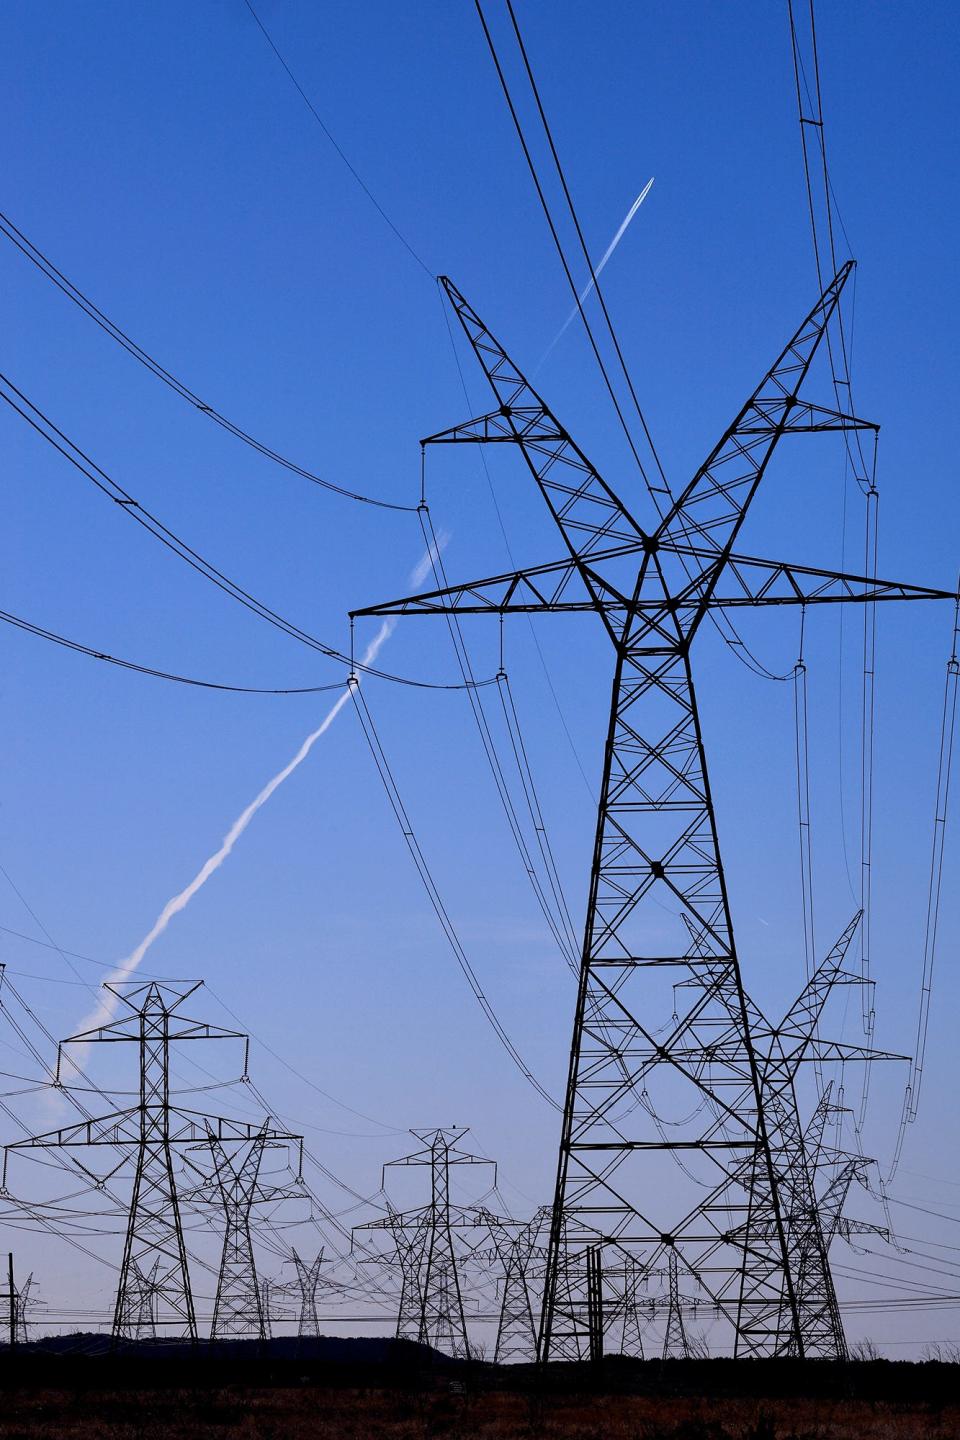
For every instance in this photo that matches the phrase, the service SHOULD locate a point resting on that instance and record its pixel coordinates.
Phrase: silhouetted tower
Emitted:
(24, 1304)
(596, 1319)
(631, 1334)
(621, 1172)
(266, 1305)
(517, 1250)
(154, 1132)
(238, 1309)
(16, 1328)
(308, 1279)
(674, 1336)
(431, 1303)
(784, 1049)
(138, 1321)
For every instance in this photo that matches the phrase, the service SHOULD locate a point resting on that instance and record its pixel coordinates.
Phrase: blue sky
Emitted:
(162, 159)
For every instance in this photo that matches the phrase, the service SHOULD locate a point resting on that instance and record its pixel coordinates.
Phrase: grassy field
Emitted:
(296, 1413)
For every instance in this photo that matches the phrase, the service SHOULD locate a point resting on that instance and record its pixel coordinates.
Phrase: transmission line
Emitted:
(558, 922)
(353, 171)
(655, 491)
(179, 387)
(449, 930)
(112, 490)
(30, 628)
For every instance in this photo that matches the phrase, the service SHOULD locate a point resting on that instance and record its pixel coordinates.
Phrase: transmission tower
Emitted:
(781, 1052)
(517, 1248)
(238, 1308)
(19, 1299)
(631, 1336)
(138, 1321)
(25, 1303)
(431, 1302)
(675, 1336)
(153, 1132)
(622, 1175)
(308, 1279)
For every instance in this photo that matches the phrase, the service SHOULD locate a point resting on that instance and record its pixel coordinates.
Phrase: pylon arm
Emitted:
(827, 1050)
(803, 418)
(102, 1130)
(753, 580)
(846, 1228)
(559, 588)
(530, 423)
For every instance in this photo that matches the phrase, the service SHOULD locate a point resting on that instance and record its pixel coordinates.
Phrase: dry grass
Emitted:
(310, 1413)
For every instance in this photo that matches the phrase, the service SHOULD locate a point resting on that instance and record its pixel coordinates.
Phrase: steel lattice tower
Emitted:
(516, 1246)
(431, 1303)
(138, 1321)
(675, 1336)
(631, 1334)
(308, 1279)
(622, 1179)
(238, 1308)
(154, 1131)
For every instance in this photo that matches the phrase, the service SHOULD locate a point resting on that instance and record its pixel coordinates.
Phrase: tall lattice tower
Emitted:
(662, 1104)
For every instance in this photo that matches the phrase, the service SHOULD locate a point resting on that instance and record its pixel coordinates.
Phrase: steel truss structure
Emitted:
(519, 1251)
(667, 1104)
(154, 1288)
(239, 1311)
(431, 1301)
(139, 1320)
(308, 1281)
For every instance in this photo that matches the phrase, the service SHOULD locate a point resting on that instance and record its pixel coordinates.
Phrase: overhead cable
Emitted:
(110, 488)
(26, 625)
(179, 387)
(449, 930)
(323, 126)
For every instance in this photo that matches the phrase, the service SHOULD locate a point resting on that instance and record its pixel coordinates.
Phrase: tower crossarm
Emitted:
(532, 424)
(560, 588)
(805, 418)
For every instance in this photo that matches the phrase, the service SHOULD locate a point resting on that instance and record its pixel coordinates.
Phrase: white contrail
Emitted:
(599, 270)
(107, 1007)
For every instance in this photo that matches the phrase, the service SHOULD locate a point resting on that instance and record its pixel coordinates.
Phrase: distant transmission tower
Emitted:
(308, 1279)
(431, 1303)
(633, 1174)
(518, 1251)
(631, 1334)
(675, 1336)
(154, 1132)
(138, 1321)
(238, 1310)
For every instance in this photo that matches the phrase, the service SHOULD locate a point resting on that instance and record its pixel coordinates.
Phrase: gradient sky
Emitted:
(163, 160)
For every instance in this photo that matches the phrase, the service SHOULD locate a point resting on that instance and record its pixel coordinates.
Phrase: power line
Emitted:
(664, 488)
(95, 654)
(353, 171)
(453, 939)
(544, 205)
(112, 490)
(179, 387)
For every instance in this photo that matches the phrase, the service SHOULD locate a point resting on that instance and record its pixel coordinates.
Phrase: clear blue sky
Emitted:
(163, 160)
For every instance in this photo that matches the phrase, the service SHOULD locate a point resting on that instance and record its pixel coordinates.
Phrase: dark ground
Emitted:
(350, 1390)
